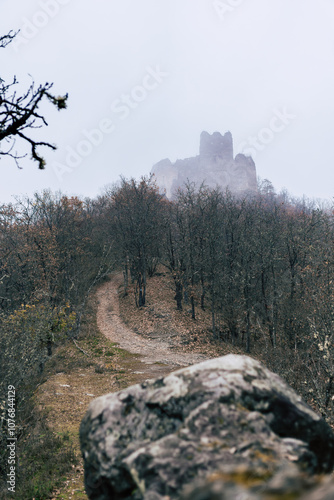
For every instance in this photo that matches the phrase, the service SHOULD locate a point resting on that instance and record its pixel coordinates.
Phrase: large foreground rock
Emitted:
(225, 418)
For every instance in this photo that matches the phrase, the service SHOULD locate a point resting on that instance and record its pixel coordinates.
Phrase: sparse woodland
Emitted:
(51, 256)
(262, 268)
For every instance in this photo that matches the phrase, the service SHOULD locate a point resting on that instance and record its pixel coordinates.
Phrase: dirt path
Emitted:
(76, 381)
(156, 357)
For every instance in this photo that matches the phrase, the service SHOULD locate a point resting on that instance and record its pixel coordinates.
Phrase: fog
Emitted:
(145, 78)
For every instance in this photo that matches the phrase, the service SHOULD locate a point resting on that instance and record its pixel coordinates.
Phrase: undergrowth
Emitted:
(44, 457)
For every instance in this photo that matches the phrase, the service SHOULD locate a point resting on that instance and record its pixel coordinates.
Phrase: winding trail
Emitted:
(155, 357)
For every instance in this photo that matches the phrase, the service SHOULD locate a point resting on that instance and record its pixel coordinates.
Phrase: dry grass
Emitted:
(73, 380)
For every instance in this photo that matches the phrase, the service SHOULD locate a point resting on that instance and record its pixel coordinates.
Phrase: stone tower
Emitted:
(215, 166)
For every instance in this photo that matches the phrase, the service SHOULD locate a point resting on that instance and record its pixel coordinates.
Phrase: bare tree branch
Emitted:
(20, 112)
(6, 39)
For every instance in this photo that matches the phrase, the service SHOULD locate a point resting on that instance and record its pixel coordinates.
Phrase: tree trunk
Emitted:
(192, 307)
(49, 347)
(141, 291)
(213, 316)
(203, 294)
(126, 279)
(144, 288)
(178, 294)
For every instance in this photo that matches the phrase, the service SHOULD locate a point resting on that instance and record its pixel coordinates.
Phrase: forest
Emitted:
(261, 266)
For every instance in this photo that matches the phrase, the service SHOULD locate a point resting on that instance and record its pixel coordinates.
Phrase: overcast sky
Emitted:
(145, 77)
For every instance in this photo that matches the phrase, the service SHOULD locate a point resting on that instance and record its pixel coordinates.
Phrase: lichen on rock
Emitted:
(153, 440)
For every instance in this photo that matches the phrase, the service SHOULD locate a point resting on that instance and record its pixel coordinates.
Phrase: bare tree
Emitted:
(136, 215)
(19, 113)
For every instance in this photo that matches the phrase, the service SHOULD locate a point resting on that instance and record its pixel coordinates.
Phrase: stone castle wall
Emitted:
(215, 166)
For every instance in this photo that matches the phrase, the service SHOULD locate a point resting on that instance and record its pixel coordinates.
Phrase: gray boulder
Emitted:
(228, 416)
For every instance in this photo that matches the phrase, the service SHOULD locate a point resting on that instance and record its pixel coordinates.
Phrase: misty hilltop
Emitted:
(214, 166)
